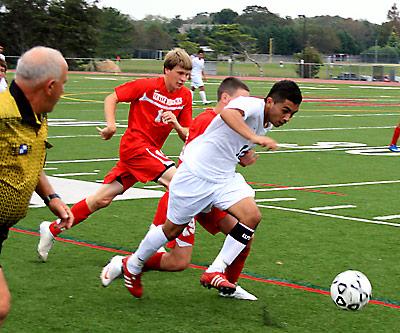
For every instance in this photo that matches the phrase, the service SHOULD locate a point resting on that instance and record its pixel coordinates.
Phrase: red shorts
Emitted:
(209, 221)
(148, 164)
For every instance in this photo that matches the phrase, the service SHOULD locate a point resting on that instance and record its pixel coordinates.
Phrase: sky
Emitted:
(374, 11)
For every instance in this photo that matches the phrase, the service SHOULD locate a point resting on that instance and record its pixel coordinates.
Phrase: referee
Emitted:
(39, 82)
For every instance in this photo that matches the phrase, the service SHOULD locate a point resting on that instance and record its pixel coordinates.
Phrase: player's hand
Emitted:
(60, 209)
(169, 118)
(106, 133)
(250, 157)
(265, 141)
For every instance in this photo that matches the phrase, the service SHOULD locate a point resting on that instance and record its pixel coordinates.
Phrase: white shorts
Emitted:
(197, 81)
(190, 195)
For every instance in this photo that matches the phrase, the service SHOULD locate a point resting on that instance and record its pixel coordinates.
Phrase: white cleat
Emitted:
(240, 293)
(111, 271)
(46, 241)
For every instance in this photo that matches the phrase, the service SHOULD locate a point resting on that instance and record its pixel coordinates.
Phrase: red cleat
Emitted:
(218, 281)
(132, 282)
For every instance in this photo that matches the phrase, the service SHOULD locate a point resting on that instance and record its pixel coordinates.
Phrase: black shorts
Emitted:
(4, 229)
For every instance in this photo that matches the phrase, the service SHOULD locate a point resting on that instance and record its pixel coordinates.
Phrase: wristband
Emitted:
(49, 197)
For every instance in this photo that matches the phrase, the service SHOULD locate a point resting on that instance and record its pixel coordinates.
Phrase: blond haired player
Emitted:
(157, 106)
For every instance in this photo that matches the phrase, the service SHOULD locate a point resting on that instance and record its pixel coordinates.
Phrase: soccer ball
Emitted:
(351, 290)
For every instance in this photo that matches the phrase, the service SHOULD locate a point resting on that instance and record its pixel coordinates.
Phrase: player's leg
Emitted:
(248, 216)
(182, 207)
(81, 210)
(216, 221)
(238, 198)
(393, 144)
(115, 182)
(202, 93)
(177, 259)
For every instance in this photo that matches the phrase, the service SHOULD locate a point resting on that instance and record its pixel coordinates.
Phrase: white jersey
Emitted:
(197, 66)
(214, 154)
(3, 84)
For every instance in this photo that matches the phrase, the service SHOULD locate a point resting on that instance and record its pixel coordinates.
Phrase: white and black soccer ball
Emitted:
(351, 290)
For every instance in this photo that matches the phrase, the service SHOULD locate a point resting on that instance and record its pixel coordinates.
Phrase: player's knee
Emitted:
(252, 220)
(180, 264)
(100, 202)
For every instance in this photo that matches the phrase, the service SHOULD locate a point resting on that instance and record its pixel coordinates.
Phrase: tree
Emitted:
(16, 34)
(115, 34)
(225, 16)
(309, 62)
(186, 44)
(228, 39)
(76, 19)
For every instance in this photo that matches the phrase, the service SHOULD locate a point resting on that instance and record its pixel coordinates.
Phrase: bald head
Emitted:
(40, 64)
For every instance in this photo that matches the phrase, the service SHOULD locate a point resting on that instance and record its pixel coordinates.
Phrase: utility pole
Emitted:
(271, 43)
(304, 29)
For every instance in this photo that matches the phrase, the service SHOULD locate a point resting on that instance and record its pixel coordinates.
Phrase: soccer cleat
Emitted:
(218, 281)
(111, 271)
(207, 102)
(132, 281)
(46, 241)
(240, 293)
(394, 149)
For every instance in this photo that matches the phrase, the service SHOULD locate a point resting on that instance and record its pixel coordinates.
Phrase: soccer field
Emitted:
(329, 199)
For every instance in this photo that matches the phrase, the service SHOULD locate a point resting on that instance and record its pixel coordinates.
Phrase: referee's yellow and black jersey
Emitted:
(23, 137)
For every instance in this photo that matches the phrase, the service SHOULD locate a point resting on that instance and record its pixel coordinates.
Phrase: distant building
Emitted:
(189, 26)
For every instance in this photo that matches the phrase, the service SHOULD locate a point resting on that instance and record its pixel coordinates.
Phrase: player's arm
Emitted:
(234, 119)
(169, 118)
(110, 108)
(204, 75)
(249, 157)
(54, 202)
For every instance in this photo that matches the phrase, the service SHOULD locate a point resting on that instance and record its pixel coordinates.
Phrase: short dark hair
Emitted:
(231, 85)
(285, 90)
(200, 51)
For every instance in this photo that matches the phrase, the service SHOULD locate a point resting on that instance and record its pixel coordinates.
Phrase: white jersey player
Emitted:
(207, 178)
(197, 75)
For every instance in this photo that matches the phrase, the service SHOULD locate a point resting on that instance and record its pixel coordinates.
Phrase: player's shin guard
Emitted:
(154, 239)
(235, 242)
(81, 212)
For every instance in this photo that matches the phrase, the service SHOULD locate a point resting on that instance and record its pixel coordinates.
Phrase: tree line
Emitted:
(81, 28)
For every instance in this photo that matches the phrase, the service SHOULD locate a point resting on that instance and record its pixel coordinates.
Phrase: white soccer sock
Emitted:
(203, 96)
(154, 239)
(230, 250)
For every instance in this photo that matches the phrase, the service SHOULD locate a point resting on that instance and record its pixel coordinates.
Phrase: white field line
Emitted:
(275, 199)
(349, 115)
(387, 217)
(330, 129)
(301, 211)
(300, 150)
(316, 209)
(83, 161)
(326, 185)
(74, 174)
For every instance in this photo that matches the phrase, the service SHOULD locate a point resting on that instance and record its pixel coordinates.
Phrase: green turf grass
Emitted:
(64, 294)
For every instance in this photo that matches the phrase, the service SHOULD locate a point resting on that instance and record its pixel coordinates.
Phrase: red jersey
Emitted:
(149, 98)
